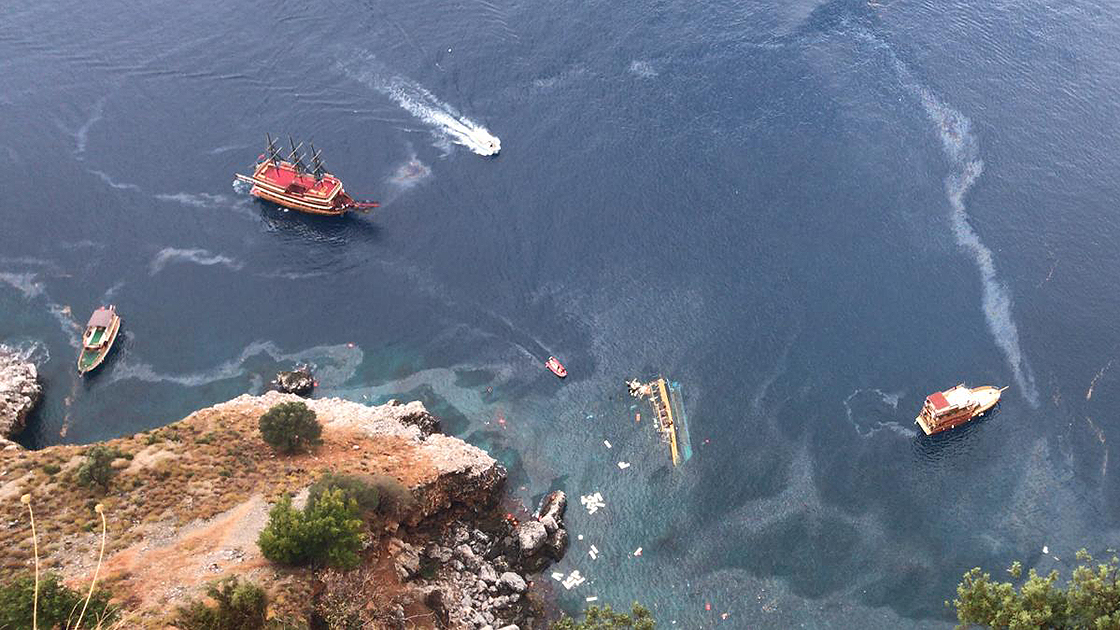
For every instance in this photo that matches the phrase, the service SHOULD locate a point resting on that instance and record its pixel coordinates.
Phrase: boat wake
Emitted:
(962, 149)
(29, 285)
(197, 256)
(444, 119)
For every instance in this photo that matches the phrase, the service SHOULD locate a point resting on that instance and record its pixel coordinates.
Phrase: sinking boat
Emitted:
(556, 367)
(665, 399)
(291, 184)
(101, 332)
(955, 406)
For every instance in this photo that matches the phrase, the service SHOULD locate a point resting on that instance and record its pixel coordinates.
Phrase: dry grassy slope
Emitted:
(189, 498)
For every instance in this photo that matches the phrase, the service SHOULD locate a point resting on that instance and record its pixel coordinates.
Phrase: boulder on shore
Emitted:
(19, 393)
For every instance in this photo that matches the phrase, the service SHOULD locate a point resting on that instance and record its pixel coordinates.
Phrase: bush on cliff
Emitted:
(595, 618)
(1090, 600)
(360, 488)
(59, 606)
(238, 606)
(289, 427)
(326, 532)
(97, 468)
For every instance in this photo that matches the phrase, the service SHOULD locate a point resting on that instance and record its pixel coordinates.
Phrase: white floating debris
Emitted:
(580, 537)
(558, 576)
(638, 551)
(607, 443)
(623, 465)
(592, 502)
(1045, 549)
(573, 580)
(592, 599)
(593, 552)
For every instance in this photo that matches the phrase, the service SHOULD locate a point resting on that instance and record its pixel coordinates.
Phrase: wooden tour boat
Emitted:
(289, 183)
(956, 406)
(98, 339)
(556, 367)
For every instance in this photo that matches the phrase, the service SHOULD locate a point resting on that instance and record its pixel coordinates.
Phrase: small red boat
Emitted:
(556, 367)
(289, 183)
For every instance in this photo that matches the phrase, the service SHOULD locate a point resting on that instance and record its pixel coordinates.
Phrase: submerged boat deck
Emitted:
(672, 423)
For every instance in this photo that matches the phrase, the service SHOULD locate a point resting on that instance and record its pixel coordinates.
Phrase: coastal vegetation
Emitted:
(326, 532)
(596, 618)
(1091, 599)
(97, 468)
(56, 604)
(290, 427)
(238, 605)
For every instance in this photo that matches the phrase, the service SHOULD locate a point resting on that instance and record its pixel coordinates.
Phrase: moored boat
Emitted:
(291, 184)
(556, 367)
(955, 406)
(101, 332)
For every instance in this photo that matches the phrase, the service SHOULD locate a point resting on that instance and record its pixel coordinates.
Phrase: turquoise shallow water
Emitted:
(809, 214)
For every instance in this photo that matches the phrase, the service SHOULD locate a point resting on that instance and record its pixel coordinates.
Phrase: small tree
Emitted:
(59, 606)
(97, 467)
(289, 427)
(239, 606)
(326, 532)
(359, 488)
(595, 618)
(1090, 600)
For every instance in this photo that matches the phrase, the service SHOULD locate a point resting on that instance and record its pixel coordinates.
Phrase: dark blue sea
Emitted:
(809, 214)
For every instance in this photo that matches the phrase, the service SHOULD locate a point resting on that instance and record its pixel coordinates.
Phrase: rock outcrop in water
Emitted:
(298, 382)
(19, 393)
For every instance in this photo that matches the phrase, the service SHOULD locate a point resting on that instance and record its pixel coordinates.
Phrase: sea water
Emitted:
(809, 214)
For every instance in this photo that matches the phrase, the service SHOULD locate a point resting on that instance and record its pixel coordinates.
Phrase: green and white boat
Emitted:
(98, 339)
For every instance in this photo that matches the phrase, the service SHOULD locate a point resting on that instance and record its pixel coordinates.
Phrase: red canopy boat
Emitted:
(556, 367)
(290, 184)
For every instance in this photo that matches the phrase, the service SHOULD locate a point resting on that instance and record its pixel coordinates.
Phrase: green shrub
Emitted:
(58, 605)
(239, 606)
(327, 532)
(360, 488)
(52, 469)
(595, 618)
(289, 427)
(97, 467)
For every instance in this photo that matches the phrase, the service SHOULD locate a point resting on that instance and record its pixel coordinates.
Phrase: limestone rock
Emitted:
(19, 393)
(530, 536)
(512, 581)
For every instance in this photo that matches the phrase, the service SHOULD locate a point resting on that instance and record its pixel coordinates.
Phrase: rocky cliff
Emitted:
(188, 500)
(19, 393)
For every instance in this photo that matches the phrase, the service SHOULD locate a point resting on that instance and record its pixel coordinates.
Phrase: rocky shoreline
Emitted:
(20, 391)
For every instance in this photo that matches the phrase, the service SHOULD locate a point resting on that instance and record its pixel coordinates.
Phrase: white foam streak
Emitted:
(196, 256)
(333, 365)
(962, 149)
(444, 119)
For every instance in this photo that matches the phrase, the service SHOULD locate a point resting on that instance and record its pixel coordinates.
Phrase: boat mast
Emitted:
(295, 158)
(272, 154)
(316, 163)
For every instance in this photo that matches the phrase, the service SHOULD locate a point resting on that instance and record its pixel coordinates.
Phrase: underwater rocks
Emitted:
(19, 393)
(298, 382)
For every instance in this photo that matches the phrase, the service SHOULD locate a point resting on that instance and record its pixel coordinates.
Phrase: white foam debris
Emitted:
(607, 443)
(638, 551)
(573, 580)
(592, 502)
(623, 465)
(580, 537)
(1045, 549)
(591, 599)
(558, 576)
(593, 552)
